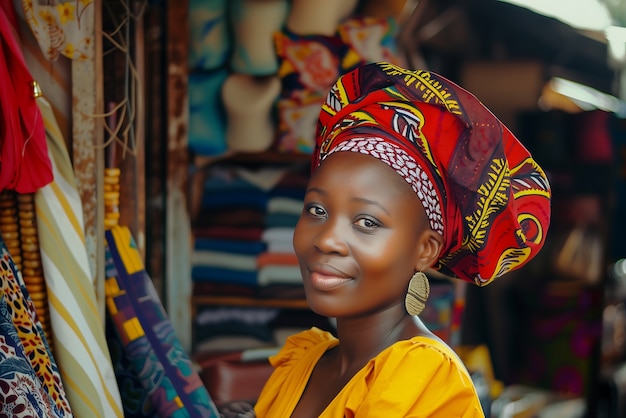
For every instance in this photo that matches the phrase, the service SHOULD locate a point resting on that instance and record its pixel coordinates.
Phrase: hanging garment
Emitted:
(30, 385)
(24, 162)
(149, 344)
(79, 334)
(64, 28)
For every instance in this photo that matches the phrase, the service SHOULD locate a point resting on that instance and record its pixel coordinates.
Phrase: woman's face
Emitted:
(358, 236)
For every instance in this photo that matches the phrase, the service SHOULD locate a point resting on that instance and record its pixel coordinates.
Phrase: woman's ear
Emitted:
(428, 249)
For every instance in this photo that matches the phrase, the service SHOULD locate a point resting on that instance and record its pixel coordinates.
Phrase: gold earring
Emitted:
(417, 294)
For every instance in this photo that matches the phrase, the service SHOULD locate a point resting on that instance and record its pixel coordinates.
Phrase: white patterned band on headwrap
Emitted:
(403, 164)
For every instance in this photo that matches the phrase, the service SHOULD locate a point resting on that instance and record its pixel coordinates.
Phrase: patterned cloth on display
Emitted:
(80, 342)
(481, 189)
(310, 64)
(369, 40)
(30, 383)
(62, 28)
(147, 339)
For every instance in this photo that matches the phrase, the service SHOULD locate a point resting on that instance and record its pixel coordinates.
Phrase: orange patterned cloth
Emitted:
(480, 187)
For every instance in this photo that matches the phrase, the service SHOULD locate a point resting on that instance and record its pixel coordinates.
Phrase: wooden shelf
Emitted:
(247, 301)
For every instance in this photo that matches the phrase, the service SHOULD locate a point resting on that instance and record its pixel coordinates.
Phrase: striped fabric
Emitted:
(80, 345)
(147, 337)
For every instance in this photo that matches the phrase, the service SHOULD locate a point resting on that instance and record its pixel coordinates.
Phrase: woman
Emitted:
(410, 172)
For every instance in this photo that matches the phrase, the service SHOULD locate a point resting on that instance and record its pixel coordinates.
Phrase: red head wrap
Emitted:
(480, 187)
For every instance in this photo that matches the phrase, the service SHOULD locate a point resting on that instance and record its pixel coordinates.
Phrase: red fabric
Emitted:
(24, 162)
(480, 187)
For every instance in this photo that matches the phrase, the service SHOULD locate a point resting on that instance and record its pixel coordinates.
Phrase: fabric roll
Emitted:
(224, 275)
(79, 336)
(223, 259)
(229, 232)
(276, 258)
(279, 239)
(234, 246)
(279, 274)
(281, 220)
(285, 205)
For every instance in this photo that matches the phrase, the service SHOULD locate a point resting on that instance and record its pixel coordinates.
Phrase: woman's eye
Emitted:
(366, 223)
(316, 211)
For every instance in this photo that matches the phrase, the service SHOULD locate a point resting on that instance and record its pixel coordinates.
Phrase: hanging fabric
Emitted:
(79, 334)
(29, 378)
(152, 362)
(63, 28)
(24, 162)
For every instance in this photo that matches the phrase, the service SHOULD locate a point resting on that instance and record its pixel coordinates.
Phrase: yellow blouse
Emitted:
(420, 377)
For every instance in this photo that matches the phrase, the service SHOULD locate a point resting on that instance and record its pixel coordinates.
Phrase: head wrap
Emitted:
(481, 189)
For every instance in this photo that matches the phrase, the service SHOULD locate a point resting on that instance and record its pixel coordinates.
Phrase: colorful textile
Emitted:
(417, 377)
(224, 275)
(80, 343)
(233, 246)
(63, 28)
(481, 189)
(207, 117)
(24, 162)
(562, 334)
(136, 398)
(30, 383)
(310, 64)
(210, 41)
(147, 337)
(438, 314)
(369, 39)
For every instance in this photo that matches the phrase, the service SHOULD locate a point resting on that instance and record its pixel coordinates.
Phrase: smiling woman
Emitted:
(362, 233)
(409, 172)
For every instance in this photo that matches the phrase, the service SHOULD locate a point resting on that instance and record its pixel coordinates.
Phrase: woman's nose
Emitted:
(332, 237)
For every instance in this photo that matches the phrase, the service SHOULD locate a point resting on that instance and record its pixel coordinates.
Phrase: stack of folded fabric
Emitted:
(228, 328)
(228, 228)
(278, 271)
(243, 247)
(244, 228)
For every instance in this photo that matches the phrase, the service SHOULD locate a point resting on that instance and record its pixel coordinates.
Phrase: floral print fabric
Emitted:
(62, 28)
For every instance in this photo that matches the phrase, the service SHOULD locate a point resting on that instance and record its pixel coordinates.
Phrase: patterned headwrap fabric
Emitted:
(481, 189)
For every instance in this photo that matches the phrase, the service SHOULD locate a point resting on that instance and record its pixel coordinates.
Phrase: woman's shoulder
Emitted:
(421, 374)
(301, 343)
(424, 354)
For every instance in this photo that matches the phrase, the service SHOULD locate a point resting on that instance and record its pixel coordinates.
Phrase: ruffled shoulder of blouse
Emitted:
(421, 376)
(418, 349)
(299, 344)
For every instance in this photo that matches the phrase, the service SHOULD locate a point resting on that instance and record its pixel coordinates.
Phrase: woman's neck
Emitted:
(361, 339)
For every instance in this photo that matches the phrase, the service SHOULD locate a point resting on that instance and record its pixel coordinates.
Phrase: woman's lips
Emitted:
(323, 281)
